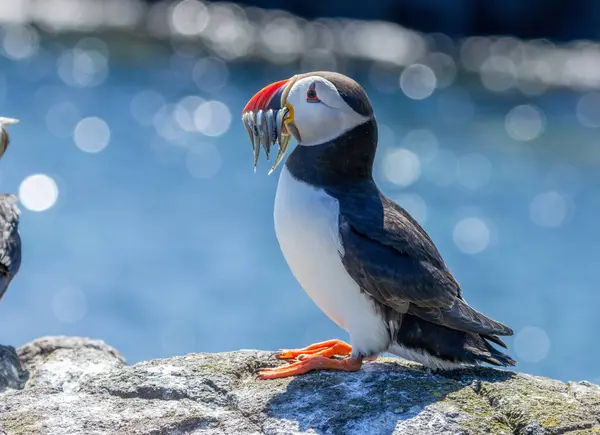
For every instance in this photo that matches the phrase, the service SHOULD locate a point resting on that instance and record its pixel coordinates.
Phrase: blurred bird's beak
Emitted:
(4, 140)
(265, 118)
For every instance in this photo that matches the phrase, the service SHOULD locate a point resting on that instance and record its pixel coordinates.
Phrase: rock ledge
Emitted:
(82, 386)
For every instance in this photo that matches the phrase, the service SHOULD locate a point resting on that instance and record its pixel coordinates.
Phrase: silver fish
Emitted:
(267, 128)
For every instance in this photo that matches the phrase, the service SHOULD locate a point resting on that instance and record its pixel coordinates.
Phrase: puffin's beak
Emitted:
(4, 140)
(265, 118)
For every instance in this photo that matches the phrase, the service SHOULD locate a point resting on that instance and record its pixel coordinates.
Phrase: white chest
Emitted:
(306, 224)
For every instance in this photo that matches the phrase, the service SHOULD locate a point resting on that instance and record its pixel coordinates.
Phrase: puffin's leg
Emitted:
(307, 365)
(327, 348)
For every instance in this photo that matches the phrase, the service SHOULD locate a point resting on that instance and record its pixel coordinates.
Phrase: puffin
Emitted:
(362, 258)
(10, 240)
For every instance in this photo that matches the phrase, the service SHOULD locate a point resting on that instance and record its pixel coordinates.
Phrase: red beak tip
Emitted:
(262, 98)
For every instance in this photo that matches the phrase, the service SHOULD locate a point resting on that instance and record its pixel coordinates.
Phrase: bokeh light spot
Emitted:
(189, 17)
(83, 68)
(92, 135)
(588, 110)
(184, 112)
(548, 209)
(498, 73)
(38, 192)
(532, 344)
(402, 167)
(525, 122)
(443, 67)
(62, 118)
(69, 305)
(20, 42)
(283, 38)
(144, 106)
(418, 81)
(422, 142)
(471, 235)
(212, 118)
(210, 74)
(166, 124)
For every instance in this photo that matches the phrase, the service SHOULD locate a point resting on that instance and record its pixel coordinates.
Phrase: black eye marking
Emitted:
(311, 94)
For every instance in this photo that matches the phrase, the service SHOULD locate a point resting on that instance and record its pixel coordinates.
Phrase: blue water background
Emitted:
(162, 263)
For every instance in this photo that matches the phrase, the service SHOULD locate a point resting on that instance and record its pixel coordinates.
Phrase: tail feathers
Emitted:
(463, 318)
(490, 355)
(495, 339)
(450, 345)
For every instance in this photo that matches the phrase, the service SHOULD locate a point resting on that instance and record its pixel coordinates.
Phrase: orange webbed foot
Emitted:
(325, 349)
(312, 363)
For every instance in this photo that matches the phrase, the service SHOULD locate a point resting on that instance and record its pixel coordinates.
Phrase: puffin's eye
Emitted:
(311, 94)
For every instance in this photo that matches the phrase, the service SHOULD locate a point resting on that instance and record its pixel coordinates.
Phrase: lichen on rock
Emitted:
(82, 386)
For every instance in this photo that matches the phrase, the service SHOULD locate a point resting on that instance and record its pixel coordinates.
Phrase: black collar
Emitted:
(347, 159)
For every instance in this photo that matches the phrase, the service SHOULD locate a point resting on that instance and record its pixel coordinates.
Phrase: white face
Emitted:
(320, 113)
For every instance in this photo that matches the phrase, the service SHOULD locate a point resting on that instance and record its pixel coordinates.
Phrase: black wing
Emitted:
(10, 241)
(394, 261)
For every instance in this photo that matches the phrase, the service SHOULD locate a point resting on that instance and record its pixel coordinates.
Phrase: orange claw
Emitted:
(327, 349)
(314, 363)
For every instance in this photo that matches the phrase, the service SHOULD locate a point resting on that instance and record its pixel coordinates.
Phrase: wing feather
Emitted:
(393, 260)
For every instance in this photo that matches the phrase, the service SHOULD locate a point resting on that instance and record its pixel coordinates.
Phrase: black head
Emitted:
(330, 116)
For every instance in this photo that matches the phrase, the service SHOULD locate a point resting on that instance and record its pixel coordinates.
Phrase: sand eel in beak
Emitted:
(361, 257)
(265, 121)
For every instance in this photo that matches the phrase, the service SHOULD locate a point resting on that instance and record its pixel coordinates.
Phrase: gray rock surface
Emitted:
(82, 386)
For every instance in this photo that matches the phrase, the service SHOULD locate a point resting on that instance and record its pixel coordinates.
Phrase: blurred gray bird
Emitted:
(360, 256)
(10, 241)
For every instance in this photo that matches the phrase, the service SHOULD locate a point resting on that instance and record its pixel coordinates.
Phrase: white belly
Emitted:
(306, 224)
